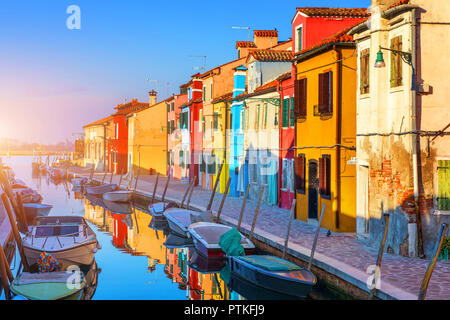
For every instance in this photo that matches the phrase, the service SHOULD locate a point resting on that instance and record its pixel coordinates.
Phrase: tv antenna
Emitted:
(155, 81)
(243, 28)
(204, 63)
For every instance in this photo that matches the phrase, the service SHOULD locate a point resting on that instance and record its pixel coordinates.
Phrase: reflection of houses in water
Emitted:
(207, 286)
(174, 266)
(130, 232)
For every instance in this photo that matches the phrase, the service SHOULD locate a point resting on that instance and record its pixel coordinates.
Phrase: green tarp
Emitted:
(230, 243)
(270, 263)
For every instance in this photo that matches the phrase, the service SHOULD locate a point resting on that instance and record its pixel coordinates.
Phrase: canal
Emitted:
(134, 262)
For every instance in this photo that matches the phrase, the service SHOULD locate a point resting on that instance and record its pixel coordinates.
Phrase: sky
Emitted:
(54, 80)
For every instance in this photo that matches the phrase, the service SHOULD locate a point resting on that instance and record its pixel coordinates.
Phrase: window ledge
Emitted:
(364, 96)
(397, 89)
(441, 212)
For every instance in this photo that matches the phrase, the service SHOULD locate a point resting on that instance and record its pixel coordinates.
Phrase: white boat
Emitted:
(69, 239)
(101, 189)
(157, 209)
(180, 219)
(118, 207)
(33, 210)
(206, 236)
(118, 196)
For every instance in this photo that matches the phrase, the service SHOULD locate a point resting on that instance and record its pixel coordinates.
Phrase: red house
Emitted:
(195, 105)
(119, 153)
(309, 26)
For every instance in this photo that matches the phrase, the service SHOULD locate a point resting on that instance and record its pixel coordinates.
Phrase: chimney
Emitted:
(265, 39)
(240, 74)
(152, 97)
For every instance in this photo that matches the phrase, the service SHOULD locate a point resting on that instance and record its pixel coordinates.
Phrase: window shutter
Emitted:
(399, 62)
(285, 112)
(321, 178)
(321, 89)
(330, 91)
(291, 112)
(327, 172)
(297, 102)
(300, 173)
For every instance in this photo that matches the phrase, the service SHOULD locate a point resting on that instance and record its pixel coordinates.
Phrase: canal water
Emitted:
(134, 262)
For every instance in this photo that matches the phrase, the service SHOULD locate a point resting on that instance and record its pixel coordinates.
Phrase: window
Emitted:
(396, 62)
(168, 107)
(242, 121)
(212, 165)
(299, 39)
(216, 120)
(325, 93)
(168, 158)
(287, 175)
(364, 61)
(172, 106)
(265, 116)
(443, 185)
(211, 92)
(172, 126)
(300, 173)
(204, 93)
(168, 127)
(181, 160)
(291, 112)
(239, 53)
(300, 98)
(285, 114)
(202, 163)
(325, 176)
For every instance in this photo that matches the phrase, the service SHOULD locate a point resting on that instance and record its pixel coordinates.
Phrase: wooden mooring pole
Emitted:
(104, 177)
(185, 194)
(316, 237)
(215, 188)
(165, 188)
(256, 213)
(286, 241)
(4, 274)
(380, 256)
(432, 264)
(154, 190)
(137, 178)
(121, 177)
(111, 178)
(15, 231)
(244, 204)
(190, 194)
(12, 197)
(91, 175)
(223, 199)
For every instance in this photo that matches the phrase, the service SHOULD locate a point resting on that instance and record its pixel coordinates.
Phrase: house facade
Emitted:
(98, 138)
(402, 124)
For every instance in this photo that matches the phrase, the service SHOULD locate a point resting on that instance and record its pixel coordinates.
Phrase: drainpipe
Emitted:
(338, 134)
(414, 145)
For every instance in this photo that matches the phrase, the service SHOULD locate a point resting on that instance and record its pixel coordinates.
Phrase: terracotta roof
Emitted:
(133, 106)
(225, 97)
(245, 44)
(265, 33)
(338, 37)
(269, 85)
(270, 55)
(99, 122)
(334, 12)
(285, 76)
(401, 2)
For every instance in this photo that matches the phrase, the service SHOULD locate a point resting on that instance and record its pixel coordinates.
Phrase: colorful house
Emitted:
(403, 154)
(174, 134)
(326, 132)
(98, 141)
(121, 159)
(147, 143)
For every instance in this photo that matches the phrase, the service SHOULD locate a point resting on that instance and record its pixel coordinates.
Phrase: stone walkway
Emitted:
(340, 254)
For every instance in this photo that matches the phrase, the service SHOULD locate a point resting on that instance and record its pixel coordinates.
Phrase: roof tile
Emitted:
(265, 33)
(270, 55)
(245, 44)
(334, 12)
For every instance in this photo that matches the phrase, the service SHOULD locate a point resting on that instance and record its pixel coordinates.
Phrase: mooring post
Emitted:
(91, 176)
(165, 188)
(4, 275)
(286, 241)
(215, 188)
(111, 178)
(121, 177)
(104, 177)
(380, 256)
(10, 193)
(5, 260)
(187, 191)
(316, 237)
(137, 178)
(244, 204)
(190, 194)
(256, 213)
(22, 215)
(223, 199)
(15, 231)
(432, 264)
(156, 186)
(131, 179)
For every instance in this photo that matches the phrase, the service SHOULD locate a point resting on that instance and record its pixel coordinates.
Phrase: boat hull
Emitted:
(287, 283)
(118, 196)
(98, 190)
(214, 253)
(36, 210)
(82, 254)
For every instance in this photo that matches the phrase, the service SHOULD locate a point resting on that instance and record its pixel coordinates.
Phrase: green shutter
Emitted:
(292, 116)
(444, 184)
(285, 113)
(265, 115)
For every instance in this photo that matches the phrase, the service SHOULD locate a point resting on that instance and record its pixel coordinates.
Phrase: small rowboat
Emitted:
(206, 237)
(180, 219)
(174, 241)
(201, 264)
(118, 207)
(49, 286)
(98, 190)
(69, 239)
(157, 209)
(274, 274)
(118, 196)
(78, 182)
(33, 210)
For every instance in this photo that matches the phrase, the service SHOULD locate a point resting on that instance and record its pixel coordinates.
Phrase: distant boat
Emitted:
(206, 237)
(48, 286)
(33, 210)
(69, 239)
(118, 196)
(180, 219)
(274, 273)
(98, 190)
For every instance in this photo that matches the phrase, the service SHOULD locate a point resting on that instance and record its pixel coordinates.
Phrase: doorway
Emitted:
(313, 189)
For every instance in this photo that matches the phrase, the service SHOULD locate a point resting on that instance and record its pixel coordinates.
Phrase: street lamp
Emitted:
(406, 57)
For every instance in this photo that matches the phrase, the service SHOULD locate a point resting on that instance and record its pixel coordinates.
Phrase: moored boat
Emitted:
(78, 182)
(69, 239)
(101, 189)
(157, 209)
(206, 237)
(33, 210)
(118, 196)
(274, 274)
(180, 219)
(200, 263)
(49, 285)
(118, 207)
(175, 241)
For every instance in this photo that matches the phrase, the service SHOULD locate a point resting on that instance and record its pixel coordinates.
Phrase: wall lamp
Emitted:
(406, 57)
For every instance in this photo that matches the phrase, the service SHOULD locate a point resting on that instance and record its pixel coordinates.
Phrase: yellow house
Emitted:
(147, 138)
(221, 141)
(325, 105)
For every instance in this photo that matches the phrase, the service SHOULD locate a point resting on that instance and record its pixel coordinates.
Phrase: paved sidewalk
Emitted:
(339, 254)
